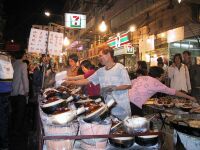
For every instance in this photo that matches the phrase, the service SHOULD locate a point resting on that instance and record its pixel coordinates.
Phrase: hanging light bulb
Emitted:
(132, 28)
(163, 35)
(179, 1)
(66, 41)
(102, 26)
(47, 13)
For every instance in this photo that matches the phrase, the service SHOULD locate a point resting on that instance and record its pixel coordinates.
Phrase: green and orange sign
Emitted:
(119, 40)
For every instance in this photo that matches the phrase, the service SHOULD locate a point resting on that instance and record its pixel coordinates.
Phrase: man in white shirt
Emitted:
(20, 89)
(179, 75)
(113, 79)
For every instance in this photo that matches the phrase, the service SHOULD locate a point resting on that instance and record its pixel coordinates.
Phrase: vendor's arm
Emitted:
(70, 78)
(180, 94)
(78, 82)
(160, 87)
(120, 87)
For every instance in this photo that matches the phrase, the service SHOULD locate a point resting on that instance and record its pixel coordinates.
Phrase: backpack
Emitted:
(6, 73)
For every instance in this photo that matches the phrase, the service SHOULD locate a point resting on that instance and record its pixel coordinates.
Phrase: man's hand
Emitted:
(193, 99)
(111, 88)
(66, 83)
(108, 89)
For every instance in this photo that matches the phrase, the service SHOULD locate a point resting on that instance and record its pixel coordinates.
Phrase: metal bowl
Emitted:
(122, 142)
(136, 124)
(148, 140)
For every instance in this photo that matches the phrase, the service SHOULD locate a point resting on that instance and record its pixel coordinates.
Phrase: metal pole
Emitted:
(44, 65)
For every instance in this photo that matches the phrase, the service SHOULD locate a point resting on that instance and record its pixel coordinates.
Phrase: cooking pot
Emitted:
(122, 142)
(136, 124)
(147, 140)
(187, 123)
(66, 116)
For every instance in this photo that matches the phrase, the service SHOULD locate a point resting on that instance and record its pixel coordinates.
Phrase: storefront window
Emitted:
(190, 44)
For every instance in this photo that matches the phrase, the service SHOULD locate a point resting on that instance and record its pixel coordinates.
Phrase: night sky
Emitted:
(21, 14)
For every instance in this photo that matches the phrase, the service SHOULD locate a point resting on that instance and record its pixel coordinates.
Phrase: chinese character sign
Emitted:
(55, 43)
(38, 41)
(75, 20)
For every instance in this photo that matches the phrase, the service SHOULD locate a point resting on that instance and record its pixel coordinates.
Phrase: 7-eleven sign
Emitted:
(75, 20)
(118, 41)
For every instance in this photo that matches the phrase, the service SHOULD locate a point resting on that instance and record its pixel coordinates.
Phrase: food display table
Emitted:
(184, 135)
(95, 132)
(45, 139)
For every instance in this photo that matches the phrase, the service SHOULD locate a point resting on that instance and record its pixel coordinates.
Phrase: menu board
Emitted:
(38, 41)
(55, 43)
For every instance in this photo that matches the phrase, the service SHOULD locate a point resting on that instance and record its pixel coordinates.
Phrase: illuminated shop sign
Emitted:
(119, 40)
(121, 44)
(75, 20)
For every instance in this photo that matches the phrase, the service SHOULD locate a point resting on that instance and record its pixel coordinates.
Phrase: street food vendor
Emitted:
(93, 91)
(49, 80)
(72, 70)
(143, 87)
(113, 78)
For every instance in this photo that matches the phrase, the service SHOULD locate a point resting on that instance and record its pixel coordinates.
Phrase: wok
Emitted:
(58, 94)
(100, 113)
(51, 107)
(66, 116)
(49, 91)
(182, 123)
(96, 115)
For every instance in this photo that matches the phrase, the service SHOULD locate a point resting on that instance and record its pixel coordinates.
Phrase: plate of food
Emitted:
(195, 110)
(164, 102)
(186, 107)
(50, 91)
(158, 102)
(194, 123)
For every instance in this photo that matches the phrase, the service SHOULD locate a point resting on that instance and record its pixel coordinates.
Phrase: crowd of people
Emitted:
(130, 95)
(111, 79)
